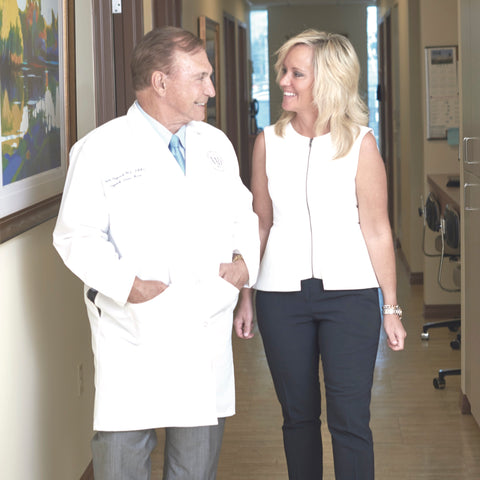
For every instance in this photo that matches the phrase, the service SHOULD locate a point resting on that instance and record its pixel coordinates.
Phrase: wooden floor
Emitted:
(419, 432)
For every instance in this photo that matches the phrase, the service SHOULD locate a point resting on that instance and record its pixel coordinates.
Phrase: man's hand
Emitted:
(144, 290)
(235, 273)
(243, 318)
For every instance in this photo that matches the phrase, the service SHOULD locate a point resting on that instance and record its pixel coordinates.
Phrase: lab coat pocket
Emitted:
(219, 297)
(114, 320)
(160, 316)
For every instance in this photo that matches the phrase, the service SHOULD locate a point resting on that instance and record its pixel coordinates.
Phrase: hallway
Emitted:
(419, 432)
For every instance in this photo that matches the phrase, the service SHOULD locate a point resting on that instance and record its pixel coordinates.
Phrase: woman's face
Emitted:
(296, 80)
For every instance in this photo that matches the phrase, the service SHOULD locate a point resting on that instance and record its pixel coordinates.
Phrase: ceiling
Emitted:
(297, 3)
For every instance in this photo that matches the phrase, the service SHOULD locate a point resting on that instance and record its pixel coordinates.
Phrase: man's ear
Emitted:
(158, 82)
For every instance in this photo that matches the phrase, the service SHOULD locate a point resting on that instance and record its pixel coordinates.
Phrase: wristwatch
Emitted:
(392, 309)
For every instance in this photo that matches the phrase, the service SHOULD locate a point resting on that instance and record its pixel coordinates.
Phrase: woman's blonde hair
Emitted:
(335, 87)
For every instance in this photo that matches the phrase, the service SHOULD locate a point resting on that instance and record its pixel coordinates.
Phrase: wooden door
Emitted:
(243, 111)
(385, 98)
(127, 31)
(115, 35)
(167, 12)
(231, 118)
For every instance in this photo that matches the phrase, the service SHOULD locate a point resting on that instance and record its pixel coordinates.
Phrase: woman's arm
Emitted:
(262, 206)
(371, 184)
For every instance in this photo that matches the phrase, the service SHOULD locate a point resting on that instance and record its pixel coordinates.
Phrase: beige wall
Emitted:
(286, 21)
(46, 423)
(438, 27)
(215, 10)
(407, 126)
(44, 333)
(417, 24)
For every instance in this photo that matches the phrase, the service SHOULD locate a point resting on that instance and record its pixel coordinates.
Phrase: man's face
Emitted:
(188, 88)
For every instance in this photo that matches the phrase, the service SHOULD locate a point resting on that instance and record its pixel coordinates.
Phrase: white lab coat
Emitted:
(129, 211)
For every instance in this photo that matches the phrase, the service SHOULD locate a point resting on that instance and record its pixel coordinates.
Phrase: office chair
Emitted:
(430, 210)
(450, 233)
(450, 228)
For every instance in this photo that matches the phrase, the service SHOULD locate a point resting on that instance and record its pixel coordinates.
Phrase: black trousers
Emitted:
(343, 327)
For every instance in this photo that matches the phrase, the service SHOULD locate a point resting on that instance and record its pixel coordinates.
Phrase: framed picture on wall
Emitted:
(37, 110)
(209, 32)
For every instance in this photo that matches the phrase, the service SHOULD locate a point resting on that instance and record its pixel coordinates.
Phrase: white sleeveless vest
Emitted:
(316, 231)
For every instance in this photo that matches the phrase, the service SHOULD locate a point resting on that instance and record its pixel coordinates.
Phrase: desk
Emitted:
(444, 194)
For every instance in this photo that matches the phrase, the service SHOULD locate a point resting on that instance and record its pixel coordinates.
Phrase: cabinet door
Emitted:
(470, 124)
(471, 254)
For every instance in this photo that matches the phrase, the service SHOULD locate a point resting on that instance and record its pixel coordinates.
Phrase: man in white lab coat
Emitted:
(162, 253)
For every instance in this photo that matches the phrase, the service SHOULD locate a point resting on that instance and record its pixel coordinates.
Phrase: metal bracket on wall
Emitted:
(116, 6)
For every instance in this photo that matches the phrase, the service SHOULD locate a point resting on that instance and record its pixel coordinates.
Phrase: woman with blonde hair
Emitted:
(319, 189)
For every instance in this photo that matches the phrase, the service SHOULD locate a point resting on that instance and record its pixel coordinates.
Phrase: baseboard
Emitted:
(414, 278)
(88, 473)
(442, 311)
(465, 407)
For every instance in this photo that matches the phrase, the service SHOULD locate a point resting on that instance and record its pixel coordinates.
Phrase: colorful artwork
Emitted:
(31, 104)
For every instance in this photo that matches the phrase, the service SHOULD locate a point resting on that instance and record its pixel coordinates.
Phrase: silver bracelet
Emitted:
(392, 309)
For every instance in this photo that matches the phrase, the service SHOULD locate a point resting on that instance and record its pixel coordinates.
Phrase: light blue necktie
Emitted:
(174, 147)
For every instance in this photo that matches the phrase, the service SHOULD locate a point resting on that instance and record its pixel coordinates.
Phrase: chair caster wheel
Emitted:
(455, 344)
(424, 335)
(439, 383)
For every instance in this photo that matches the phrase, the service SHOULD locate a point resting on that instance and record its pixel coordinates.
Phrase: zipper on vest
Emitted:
(308, 205)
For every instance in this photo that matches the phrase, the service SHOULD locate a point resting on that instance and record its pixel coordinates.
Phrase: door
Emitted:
(471, 252)
(127, 31)
(470, 226)
(116, 31)
(231, 117)
(167, 12)
(243, 89)
(385, 99)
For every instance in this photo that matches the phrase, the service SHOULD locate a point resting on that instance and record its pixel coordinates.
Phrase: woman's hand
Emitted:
(395, 332)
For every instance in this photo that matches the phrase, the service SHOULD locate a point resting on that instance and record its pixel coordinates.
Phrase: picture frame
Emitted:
(38, 112)
(442, 91)
(209, 32)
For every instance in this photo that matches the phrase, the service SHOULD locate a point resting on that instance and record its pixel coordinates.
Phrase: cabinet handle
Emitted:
(466, 153)
(466, 186)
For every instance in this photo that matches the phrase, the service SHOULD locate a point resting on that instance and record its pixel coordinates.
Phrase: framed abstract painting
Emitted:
(37, 102)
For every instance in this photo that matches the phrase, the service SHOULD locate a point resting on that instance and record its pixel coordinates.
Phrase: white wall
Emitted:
(44, 337)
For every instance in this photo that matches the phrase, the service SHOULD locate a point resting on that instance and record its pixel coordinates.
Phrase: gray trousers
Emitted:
(190, 453)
